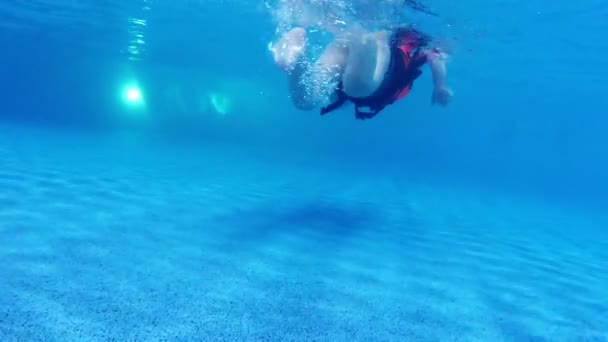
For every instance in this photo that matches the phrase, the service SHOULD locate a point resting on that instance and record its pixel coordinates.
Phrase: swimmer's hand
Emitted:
(442, 95)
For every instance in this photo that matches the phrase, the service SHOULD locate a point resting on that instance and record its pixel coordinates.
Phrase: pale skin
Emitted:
(357, 58)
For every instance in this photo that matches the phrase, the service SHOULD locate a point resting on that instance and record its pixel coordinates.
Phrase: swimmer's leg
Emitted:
(289, 49)
(367, 64)
(310, 85)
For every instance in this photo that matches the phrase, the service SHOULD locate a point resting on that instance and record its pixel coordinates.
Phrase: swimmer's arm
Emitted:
(441, 92)
(437, 61)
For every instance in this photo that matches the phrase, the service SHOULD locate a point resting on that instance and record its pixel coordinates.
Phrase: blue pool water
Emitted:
(206, 208)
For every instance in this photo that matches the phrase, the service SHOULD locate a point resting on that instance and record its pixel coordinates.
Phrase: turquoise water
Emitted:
(207, 208)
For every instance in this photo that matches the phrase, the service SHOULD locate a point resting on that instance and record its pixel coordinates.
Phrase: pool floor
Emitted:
(100, 242)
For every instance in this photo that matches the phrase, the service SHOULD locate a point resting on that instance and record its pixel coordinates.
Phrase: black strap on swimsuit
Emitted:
(359, 103)
(342, 98)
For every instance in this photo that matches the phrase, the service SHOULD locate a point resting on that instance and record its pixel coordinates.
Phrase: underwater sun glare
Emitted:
(132, 95)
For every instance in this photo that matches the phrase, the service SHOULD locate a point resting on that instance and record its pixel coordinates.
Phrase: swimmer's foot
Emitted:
(289, 48)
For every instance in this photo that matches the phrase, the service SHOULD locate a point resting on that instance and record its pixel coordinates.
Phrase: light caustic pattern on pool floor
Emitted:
(99, 245)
